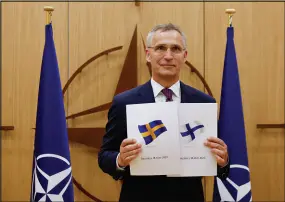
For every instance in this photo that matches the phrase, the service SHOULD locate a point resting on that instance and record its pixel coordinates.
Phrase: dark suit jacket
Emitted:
(148, 188)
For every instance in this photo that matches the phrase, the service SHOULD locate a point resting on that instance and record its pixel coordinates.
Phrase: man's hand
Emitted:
(219, 149)
(129, 150)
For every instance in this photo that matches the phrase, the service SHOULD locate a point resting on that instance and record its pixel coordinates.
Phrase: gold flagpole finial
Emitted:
(49, 11)
(230, 12)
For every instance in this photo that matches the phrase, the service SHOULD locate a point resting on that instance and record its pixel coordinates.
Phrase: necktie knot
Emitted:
(168, 94)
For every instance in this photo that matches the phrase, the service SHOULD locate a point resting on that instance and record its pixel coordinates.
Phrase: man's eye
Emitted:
(176, 49)
(160, 48)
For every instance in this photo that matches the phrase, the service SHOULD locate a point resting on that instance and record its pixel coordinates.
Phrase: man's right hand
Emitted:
(129, 150)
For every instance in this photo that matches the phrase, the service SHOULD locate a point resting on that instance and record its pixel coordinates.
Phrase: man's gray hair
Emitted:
(164, 28)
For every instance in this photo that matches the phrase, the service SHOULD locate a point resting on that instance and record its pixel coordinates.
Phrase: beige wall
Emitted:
(22, 47)
(82, 30)
(259, 41)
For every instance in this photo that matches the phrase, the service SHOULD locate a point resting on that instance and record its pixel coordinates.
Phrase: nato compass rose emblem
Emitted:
(236, 187)
(49, 182)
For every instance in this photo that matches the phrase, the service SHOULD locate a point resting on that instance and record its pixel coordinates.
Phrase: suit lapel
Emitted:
(186, 93)
(145, 93)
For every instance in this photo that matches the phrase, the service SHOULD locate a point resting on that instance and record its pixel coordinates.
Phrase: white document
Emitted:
(197, 121)
(155, 126)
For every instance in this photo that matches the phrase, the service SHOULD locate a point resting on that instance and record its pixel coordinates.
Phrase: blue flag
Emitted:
(190, 131)
(231, 130)
(52, 176)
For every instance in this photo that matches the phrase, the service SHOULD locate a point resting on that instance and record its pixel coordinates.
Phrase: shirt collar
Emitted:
(157, 88)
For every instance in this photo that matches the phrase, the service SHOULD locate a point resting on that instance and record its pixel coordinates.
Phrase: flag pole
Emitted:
(49, 10)
(230, 12)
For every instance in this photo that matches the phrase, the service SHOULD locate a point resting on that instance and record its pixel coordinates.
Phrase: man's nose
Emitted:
(168, 54)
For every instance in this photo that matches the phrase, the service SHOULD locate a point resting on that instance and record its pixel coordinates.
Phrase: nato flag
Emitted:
(51, 175)
(231, 130)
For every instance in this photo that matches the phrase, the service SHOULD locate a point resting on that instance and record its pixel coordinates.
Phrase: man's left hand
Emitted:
(219, 149)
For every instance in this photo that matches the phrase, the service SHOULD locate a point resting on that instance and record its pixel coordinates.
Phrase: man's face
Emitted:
(166, 55)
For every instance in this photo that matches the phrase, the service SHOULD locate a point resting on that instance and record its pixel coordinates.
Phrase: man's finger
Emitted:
(128, 141)
(131, 147)
(133, 152)
(130, 158)
(216, 140)
(218, 152)
(220, 161)
(214, 145)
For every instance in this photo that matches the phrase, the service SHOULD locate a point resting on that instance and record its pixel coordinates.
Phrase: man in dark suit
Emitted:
(166, 51)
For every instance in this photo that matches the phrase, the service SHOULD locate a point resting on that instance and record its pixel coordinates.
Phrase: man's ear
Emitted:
(185, 55)
(147, 55)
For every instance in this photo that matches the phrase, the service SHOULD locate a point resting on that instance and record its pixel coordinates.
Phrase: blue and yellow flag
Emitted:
(152, 130)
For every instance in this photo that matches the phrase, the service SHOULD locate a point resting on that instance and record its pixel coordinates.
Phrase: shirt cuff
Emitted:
(119, 167)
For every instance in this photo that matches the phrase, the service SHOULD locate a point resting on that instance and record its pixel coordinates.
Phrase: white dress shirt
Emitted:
(160, 97)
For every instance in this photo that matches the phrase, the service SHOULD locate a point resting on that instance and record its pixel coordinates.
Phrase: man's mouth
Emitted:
(168, 65)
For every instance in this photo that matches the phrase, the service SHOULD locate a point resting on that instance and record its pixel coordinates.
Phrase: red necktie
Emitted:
(168, 94)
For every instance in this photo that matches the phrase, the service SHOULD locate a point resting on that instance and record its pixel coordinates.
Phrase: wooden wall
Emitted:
(22, 47)
(81, 30)
(259, 42)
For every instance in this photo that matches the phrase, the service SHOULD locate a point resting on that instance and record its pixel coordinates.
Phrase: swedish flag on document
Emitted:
(154, 125)
(151, 130)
